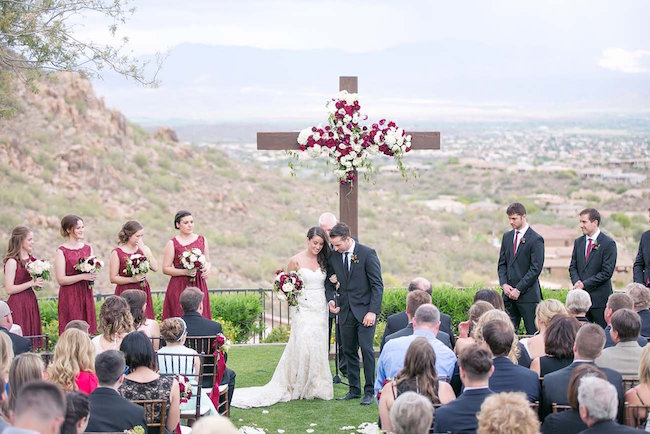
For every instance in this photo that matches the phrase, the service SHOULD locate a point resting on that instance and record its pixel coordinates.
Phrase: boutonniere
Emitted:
(596, 246)
(355, 259)
(523, 240)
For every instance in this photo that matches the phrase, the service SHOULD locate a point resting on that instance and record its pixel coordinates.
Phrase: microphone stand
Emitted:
(337, 378)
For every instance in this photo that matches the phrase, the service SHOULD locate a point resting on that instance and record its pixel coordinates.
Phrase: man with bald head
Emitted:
(400, 320)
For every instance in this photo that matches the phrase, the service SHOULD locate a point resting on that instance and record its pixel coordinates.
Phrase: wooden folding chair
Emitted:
(205, 345)
(635, 415)
(47, 357)
(558, 407)
(630, 381)
(189, 365)
(150, 407)
(224, 405)
(40, 342)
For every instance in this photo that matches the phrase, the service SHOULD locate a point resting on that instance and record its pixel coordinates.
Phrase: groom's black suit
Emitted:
(361, 289)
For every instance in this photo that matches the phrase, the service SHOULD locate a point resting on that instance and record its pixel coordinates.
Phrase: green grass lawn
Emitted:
(254, 366)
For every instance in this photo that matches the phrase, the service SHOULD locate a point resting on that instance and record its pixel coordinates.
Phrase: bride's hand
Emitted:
(333, 307)
(334, 279)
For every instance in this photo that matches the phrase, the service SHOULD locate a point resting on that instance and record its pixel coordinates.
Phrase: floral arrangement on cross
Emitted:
(347, 144)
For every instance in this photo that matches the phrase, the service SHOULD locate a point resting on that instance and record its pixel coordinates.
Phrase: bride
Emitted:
(303, 371)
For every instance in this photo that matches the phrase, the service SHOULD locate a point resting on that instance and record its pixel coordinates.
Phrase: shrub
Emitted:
(278, 334)
(242, 310)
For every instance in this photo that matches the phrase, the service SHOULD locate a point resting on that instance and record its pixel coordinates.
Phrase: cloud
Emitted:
(629, 62)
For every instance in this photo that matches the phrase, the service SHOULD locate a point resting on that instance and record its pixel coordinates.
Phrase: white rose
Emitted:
(288, 287)
(193, 258)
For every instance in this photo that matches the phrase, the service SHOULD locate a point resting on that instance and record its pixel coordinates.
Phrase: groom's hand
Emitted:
(369, 319)
(333, 307)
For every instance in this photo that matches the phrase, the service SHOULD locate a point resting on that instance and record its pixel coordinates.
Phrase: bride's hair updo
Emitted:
(324, 253)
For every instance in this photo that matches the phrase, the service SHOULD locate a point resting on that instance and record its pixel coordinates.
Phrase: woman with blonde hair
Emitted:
(494, 314)
(544, 313)
(505, 413)
(26, 367)
(115, 321)
(640, 394)
(73, 363)
(19, 284)
(6, 355)
(464, 328)
(418, 375)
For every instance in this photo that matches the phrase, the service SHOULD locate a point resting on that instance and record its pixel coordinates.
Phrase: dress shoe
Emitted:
(367, 399)
(349, 395)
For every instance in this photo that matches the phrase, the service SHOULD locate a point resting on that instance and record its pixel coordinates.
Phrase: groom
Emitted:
(360, 289)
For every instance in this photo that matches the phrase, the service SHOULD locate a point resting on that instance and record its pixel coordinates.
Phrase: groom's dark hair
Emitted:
(516, 208)
(340, 230)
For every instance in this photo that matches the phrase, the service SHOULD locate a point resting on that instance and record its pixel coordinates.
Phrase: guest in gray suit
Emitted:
(625, 356)
(641, 297)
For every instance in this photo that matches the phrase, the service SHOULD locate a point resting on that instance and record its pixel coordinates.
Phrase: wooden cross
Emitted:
(348, 193)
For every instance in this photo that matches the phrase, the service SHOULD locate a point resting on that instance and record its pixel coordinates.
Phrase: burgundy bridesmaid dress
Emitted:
(24, 306)
(119, 289)
(76, 301)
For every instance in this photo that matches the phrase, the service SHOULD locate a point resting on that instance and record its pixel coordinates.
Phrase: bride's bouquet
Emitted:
(39, 268)
(193, 259)
(288, 285)
(91, 264)
(135, 265)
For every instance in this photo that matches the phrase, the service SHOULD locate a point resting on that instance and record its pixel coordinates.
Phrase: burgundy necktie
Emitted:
(589, 247)
(514, 246)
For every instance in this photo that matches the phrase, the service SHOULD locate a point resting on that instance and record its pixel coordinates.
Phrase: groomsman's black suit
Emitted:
(459, 415)
(361, 289)
(111, 412)
(641, 268)
(399, 320)
(521, 271)
(595, 273)
(197, 325)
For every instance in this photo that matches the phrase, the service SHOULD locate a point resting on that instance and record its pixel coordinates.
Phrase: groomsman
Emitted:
(592, 264)
(520, 263)
(642, 261)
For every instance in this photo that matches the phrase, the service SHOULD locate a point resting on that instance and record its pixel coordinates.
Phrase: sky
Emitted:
(580, 56)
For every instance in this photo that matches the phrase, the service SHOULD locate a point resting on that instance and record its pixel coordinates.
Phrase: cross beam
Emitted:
(348, 194)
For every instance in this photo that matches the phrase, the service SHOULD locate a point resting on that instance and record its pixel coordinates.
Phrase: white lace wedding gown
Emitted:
(303, 371)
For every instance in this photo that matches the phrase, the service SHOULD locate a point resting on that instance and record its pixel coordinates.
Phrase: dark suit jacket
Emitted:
(610, 343)
(111, 412)
(641, 269)
(508, 377)
(610, 427)
(565, 422)
(556, 385)
(521, 270)
(645, 322)
(398, 321)
(596, 273)
(408, 331)
(361, 288)
(19, 343)
(459, 416)
(197, 325)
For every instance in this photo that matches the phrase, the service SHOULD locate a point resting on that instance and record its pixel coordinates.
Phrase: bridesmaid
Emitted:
(19, 284)
(180, 277)
(76, 299)
(130, 242)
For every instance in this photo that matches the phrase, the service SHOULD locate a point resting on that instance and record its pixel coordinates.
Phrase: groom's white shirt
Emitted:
(351, 252)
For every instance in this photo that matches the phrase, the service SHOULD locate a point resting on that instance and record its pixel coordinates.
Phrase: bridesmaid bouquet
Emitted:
(39, 268)
(288, 285)
(91, 264)
(185, 388)
(135, 265)
(193, 259)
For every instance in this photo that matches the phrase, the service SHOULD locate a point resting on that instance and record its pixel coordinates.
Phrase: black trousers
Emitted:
(356, 336)
(343, 367)
(518, 311)
(597, 316)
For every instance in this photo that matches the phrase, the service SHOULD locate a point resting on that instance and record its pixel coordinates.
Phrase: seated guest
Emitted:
(73, 363)
(143, 382)
(412, 413)
(170, 359)
(4, 419)
(39, 407)
(491, 296)
(598, 405)
(459, 416)
(616, 302)
(506, 413)
(544, 313)
(568, 421)
(78, 324)
(26, 368)
(115, 321)
(137, 301)
(191, 300)
(558, 344)
(640, 394)
(106, 402)
(590, 340)
(215, 424)
(417, 375)
(398, 321)
(625, 355)
(578, 302)
(499, 337)
(517, 353)
(425, 323)
(415, 299)
(19, 343)
(640, 295)
(6, 356)
(76, 413)
(464, 328)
